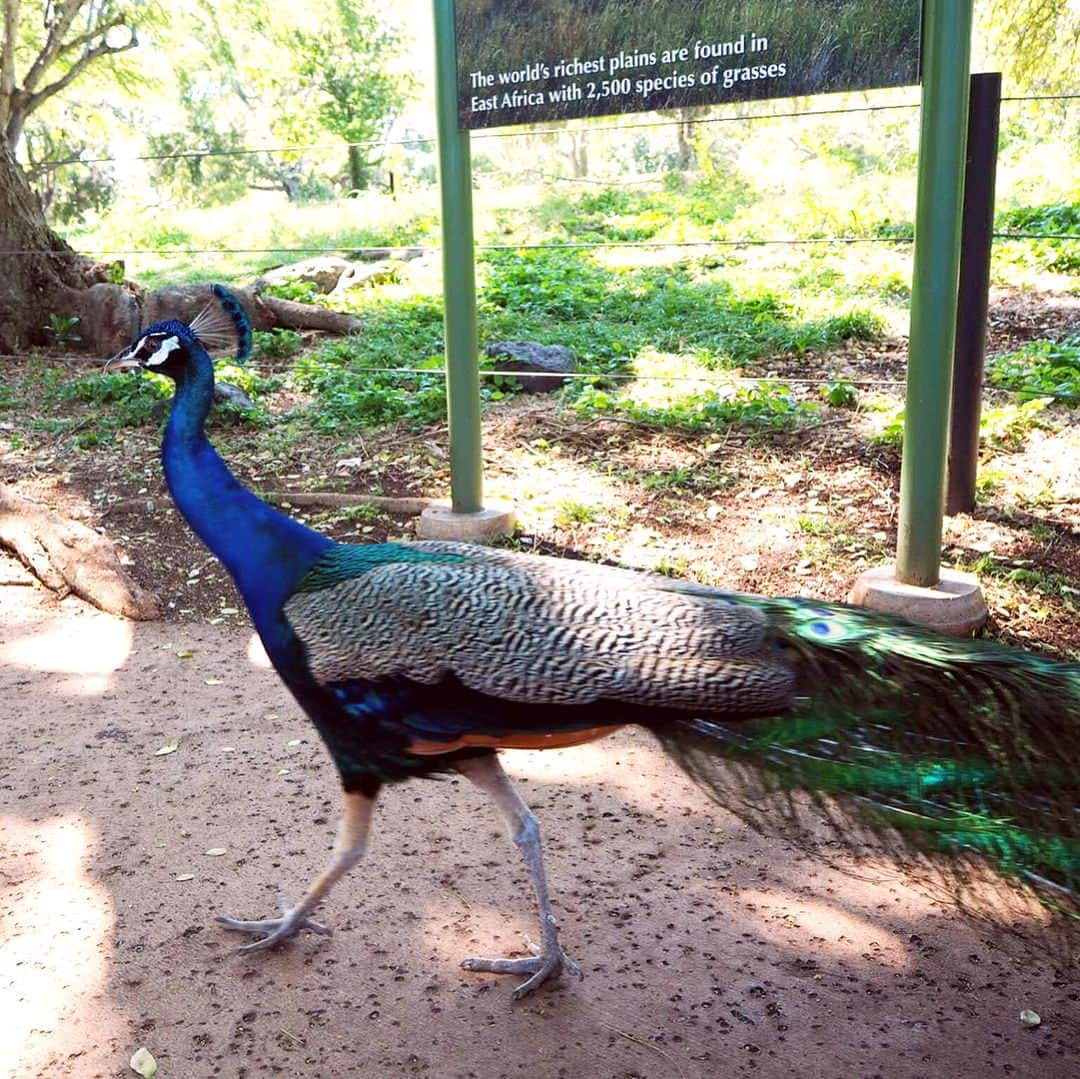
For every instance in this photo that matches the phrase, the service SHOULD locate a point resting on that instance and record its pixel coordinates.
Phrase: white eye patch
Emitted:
(167, 345)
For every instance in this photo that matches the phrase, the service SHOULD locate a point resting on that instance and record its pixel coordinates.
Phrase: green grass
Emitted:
(663, 330)
(239, 241)
(607, 315)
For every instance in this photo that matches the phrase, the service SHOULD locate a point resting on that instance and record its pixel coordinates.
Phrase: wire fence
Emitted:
(599, 378)
(528, 132)
(587, 128)
(567, 245)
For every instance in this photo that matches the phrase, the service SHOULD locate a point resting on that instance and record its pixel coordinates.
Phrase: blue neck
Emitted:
(266, 552)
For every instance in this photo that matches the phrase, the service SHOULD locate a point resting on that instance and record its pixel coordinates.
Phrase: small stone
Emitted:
(546, 361)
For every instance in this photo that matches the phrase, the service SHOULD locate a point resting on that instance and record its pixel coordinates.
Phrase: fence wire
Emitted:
(522, 132)
(569, 245)
(726, 381)
(413, 141)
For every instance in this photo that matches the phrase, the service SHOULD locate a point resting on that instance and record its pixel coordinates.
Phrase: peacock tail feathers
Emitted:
(938, 744)
(221, 325)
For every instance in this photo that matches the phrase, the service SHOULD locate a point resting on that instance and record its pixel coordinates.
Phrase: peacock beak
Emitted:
(123, 361)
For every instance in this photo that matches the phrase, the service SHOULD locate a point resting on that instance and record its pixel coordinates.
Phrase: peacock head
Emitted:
(164, 347)
(170, 348)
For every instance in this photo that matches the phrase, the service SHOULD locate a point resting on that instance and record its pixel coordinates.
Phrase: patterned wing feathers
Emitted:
(540, 630)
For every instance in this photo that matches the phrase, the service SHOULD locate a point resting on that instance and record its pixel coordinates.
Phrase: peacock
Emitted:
(422, 659)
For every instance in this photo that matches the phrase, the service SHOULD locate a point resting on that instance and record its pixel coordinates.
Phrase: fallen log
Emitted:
(68, 556)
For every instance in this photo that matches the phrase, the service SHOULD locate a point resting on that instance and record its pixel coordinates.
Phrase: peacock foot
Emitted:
(276, 929)
(546, 964)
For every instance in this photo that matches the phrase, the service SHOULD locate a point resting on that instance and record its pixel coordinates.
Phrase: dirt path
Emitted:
(707, 951)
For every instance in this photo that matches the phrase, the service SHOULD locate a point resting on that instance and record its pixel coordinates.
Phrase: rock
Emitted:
(229, 394)
(323, 271)
(368, 273)
(528, 356)
(108, 318)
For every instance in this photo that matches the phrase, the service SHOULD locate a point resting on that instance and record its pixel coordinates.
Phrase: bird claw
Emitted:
(276, 929)
(541, 967)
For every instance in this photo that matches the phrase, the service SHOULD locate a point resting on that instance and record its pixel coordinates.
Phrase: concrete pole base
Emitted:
(954, 606)
(440, 522)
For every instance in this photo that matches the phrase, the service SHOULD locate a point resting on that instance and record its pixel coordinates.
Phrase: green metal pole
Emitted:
(942, 149)
(459, 275)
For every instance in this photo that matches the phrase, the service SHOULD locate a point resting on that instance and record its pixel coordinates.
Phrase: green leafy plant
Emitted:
(297, 291)
(276, 344)
(1008, 426)
(572, 512)
(839, 394)
(1049, 368)
(62, 329)
(767, 406)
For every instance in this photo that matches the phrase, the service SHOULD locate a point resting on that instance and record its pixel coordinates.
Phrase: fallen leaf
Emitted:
(185, 654)
(143, 1063)
(167, 748)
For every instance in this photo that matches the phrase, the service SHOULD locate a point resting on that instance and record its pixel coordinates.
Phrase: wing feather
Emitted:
(540, 630)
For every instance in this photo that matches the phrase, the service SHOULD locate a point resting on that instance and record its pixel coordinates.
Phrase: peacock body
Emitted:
(415, 659)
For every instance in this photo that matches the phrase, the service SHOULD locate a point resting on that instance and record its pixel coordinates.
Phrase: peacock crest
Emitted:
(219, 325)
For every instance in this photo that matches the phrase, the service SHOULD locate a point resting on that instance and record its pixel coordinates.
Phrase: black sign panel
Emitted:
(520, 61)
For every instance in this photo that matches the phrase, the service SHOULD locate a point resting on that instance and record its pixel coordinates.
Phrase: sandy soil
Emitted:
(708, 951)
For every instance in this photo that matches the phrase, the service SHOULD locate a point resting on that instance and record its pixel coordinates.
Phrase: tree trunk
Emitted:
(686, 155)
(39, 274)
(68, 556)
(358, 171)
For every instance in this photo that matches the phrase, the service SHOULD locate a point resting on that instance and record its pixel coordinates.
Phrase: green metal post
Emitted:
(946, 61)
(459, 276)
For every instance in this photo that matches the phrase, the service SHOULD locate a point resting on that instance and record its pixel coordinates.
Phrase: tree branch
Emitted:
(32, 101)
(97, 32)
(61, 23)
(7, 58)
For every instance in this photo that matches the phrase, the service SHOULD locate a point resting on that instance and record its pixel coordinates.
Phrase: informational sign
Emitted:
(521, 61)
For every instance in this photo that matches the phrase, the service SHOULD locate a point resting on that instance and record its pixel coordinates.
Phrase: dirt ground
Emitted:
(707, 950)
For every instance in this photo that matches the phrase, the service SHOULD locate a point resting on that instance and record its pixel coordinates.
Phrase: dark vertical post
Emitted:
(984, 116)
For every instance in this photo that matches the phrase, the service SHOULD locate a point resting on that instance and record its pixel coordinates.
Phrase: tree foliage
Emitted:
(289, 77)
(1035, 43)
(48, 44)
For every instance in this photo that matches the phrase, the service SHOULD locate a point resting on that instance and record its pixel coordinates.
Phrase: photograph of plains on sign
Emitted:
(526, 60)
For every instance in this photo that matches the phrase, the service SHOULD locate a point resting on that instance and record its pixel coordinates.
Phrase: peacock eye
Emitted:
(154, 350)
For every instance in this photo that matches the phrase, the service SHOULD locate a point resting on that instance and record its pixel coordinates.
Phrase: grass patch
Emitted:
(1045, 368)
(608, 315)
(766, 407)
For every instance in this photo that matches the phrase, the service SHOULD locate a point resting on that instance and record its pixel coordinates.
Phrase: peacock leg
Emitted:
(487, 774)
(348, 850)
